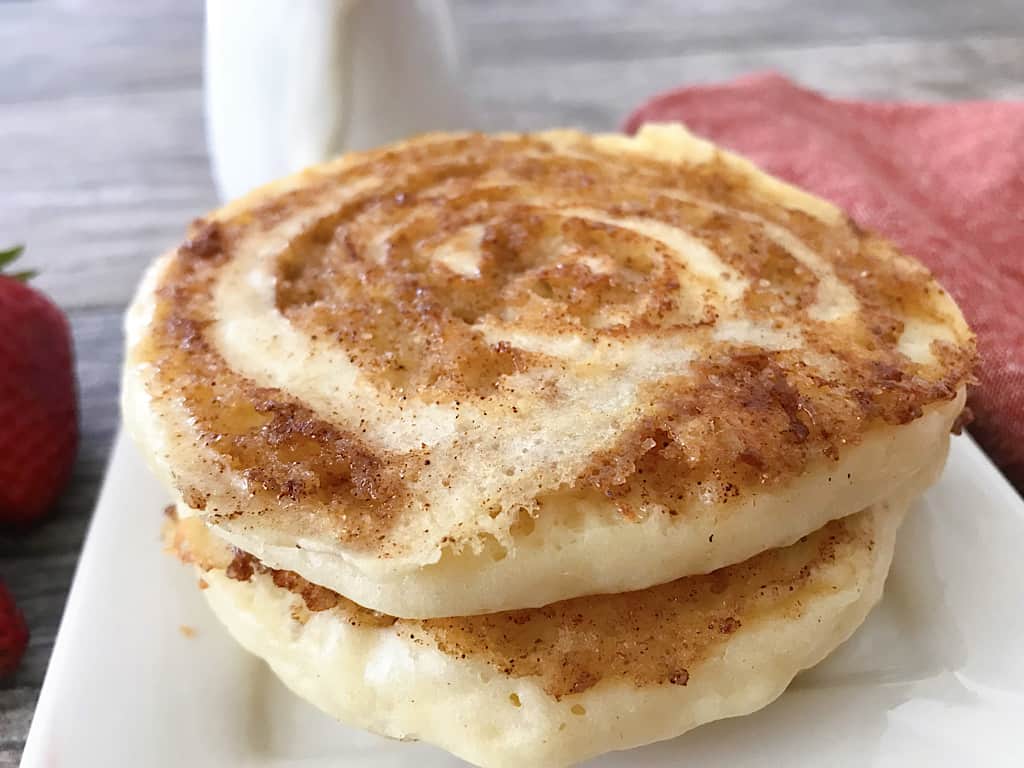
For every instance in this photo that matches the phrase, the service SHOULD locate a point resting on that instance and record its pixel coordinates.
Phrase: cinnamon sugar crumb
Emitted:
(964, 419)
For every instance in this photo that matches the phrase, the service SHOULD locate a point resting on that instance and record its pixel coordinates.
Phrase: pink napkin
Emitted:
(943, 181)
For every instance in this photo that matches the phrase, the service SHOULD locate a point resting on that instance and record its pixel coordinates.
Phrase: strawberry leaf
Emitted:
(6, 257)
(23, 276)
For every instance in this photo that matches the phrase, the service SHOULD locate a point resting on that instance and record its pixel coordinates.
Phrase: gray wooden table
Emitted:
(103, 162)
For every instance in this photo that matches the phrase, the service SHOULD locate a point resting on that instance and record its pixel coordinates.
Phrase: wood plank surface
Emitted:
(103, 160)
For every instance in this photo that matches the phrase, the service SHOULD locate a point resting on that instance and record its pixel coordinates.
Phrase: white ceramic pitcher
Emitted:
(290, 83)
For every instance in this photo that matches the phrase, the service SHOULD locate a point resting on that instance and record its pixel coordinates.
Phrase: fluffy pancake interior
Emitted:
(555, 685)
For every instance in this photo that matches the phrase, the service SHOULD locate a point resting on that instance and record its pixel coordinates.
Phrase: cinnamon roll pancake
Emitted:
(469, 373)
(551, 686)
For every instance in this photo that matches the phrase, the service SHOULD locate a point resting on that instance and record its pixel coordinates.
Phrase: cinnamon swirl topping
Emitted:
(434, 339)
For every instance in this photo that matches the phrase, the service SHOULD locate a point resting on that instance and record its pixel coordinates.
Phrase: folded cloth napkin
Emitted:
(945, 182)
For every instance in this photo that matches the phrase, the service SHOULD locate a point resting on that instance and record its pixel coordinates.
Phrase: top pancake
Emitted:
(467, 373)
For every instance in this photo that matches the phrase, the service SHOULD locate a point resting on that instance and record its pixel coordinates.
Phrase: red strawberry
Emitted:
(13, 633)
(38, 423)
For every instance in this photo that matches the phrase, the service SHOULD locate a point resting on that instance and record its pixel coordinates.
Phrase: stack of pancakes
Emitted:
(536, 447)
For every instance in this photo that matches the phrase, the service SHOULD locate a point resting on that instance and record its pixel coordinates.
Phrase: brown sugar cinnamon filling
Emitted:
(455, 234)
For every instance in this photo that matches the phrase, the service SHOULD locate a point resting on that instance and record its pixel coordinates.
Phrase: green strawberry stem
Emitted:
(8, 257)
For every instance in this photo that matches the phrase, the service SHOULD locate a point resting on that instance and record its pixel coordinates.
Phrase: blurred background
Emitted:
(103, 156)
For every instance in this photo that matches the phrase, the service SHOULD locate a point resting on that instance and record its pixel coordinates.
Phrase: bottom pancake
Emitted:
(551, 686)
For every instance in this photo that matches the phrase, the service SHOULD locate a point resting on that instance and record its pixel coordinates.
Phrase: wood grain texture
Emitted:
(103, 160)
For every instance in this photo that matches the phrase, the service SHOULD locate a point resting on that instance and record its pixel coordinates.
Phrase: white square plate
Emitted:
(935, 677)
